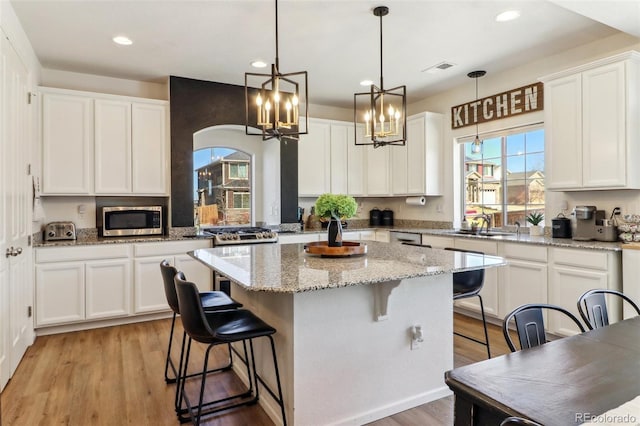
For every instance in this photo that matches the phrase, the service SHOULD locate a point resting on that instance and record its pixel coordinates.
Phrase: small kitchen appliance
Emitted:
(58, 231)
(583, 224)
(129, 221)
(375, 217)
(387, 217)
(560, 227)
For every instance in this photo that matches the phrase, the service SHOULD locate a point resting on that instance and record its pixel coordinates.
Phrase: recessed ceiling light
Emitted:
(366, 83)
(258, 64)
(509, 15)
(122, 40)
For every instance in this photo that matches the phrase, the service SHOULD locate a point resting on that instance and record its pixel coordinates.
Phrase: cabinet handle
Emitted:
(11, 251)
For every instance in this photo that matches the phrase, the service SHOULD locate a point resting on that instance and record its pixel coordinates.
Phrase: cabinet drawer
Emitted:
(590, 259)
(93, 252)
(172, 247)
(525, 252)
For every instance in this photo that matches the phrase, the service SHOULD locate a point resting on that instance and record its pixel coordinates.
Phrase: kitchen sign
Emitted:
(496, 107)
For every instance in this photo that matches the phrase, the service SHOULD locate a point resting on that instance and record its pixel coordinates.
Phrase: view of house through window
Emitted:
(505, 180)
(222, 187)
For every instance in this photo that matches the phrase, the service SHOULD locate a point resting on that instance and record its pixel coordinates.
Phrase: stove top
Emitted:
(241, 235)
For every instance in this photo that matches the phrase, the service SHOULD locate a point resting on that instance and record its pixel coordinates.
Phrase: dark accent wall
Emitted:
(196, 105)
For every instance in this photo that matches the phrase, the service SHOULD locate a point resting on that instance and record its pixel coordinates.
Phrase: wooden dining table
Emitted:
(564, 382)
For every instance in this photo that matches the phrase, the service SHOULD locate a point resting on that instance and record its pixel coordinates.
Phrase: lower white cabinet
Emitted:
(524, 279)
(437, 242)
(149, 293)
(86, 283)
(74, 284)
(573, 272)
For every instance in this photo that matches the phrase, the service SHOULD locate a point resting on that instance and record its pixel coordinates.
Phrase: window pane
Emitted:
(515, 144)
(516, 213)
(535, 141)
(516, 191)
(492, 148)
(535, 191)
(515, 165)
(535, 162)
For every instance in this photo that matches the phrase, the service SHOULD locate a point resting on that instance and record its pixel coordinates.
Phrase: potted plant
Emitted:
(335, 207)
(535, 218)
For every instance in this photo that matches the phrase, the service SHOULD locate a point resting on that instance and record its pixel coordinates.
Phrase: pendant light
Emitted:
(476, 148)
(382, 112)
(276, 103)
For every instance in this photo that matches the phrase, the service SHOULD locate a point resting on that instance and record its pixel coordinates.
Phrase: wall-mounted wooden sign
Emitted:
(507, 104)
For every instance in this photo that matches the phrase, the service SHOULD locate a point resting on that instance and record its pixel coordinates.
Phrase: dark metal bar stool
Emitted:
(211, 301)
(222, 327)
(592, 306)
(469, 284)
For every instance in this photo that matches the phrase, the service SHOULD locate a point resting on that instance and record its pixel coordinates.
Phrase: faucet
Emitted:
(517, 228)
(486, 220)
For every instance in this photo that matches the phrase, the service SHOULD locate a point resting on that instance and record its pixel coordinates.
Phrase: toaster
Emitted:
(56, 231)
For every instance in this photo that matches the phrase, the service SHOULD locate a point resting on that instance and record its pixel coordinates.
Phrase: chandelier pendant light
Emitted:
(276, 104)
(476, 147)
(383, 113)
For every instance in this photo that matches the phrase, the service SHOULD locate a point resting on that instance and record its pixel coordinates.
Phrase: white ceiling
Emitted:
(336, 41)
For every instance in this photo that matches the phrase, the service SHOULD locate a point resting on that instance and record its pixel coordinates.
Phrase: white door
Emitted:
(16, 289)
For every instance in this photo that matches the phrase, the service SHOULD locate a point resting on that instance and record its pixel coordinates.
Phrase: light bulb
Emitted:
(477, 146)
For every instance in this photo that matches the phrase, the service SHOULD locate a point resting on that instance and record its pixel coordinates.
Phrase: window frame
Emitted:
(503, 134)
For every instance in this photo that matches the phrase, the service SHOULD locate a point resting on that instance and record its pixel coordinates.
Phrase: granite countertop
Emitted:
(95, 240)
(286, 268)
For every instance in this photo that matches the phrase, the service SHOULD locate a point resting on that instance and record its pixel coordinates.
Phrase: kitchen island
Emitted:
(345, 325)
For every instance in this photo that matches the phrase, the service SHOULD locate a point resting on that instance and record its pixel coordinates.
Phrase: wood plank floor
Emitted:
(113, 376)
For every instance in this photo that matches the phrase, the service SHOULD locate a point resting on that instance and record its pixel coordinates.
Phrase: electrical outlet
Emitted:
(416, 337)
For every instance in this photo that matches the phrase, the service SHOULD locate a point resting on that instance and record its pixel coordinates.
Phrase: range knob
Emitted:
(51, 234)
(259, 235)
(69, 234)
(236, 237)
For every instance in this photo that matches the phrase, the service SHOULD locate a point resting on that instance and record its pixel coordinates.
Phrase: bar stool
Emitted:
(211, 301)
(469, 284)
(222, 327)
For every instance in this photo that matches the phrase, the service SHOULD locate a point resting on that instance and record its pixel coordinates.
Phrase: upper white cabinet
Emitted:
(104, 144)
(591, 132)
(67, 151)
(328, 160)
(416, 167)
(379, 169)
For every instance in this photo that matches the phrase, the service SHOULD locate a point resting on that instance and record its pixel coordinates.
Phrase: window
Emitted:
(222, 187)
(506, 178)
(238, 171)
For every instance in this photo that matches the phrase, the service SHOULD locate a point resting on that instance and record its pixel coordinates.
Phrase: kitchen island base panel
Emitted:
(339, 365)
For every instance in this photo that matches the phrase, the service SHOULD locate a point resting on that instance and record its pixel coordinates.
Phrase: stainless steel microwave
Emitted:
(126, 221)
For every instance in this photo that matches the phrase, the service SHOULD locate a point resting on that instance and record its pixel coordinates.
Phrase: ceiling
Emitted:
(335, 41)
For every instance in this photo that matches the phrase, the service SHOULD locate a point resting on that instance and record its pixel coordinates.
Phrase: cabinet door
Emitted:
(383, 236)
(398, 169)
(59, 293)
(195, 271)
(416, 145)
(378, 175)
(563, 132)
(521, 282)
(149, 149)
(489, 290)
(339, 173)
(108, 288)
(67, 144)
(148, 286)
(357, 167)
(437, 242)
(112, 147)
(566, 285)
(314, 160)
(603, 126)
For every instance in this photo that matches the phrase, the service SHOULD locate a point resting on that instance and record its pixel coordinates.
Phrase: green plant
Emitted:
(336, 206)
(535, 218)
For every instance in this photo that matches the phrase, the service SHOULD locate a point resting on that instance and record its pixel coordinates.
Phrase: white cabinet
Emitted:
(74, 284)
(573, 272)
(379, 169)
(383, 236)
(67, 144)
(416, 167)
(299, 238)
(590, 135)
(524, 279)
(489, 290)
(148, 285)
(357, 167)
(112, 147)
(436, 241)
(104, 144)
(329, 161)
(150, 149)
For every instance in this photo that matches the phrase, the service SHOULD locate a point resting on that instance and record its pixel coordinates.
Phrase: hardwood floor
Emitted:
(113, 376)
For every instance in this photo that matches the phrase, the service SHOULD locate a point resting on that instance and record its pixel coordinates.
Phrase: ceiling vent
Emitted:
(438, 67)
